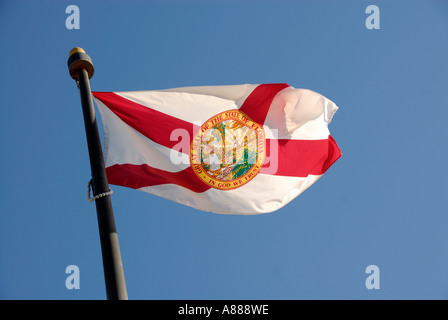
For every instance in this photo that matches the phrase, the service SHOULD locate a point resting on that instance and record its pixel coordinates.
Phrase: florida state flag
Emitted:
(241, 149)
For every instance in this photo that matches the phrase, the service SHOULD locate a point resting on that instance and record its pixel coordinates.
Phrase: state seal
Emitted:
(228, 151)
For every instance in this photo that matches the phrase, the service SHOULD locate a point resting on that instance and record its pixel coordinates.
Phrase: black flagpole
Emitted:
(81, 69)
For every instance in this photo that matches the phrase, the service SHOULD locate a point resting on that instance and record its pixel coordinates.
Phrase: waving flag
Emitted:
(242, 149)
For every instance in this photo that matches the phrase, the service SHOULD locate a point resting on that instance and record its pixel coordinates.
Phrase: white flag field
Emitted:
(235, 149)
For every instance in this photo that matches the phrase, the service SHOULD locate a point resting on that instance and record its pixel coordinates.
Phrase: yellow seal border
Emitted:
(195, 150)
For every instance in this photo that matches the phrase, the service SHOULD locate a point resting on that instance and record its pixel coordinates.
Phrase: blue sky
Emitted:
(383, 203)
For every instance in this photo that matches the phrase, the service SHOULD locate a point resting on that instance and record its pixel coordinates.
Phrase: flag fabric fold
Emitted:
(238, 149)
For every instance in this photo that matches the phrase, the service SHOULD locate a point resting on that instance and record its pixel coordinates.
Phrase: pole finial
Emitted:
(79, 59)
(75, 50)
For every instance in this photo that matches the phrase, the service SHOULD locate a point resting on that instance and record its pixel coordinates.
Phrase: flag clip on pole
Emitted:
(81, 69)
